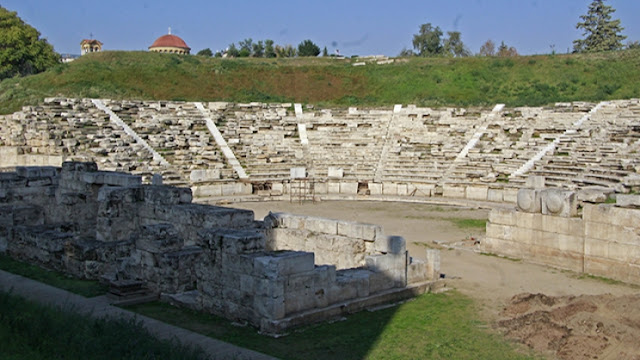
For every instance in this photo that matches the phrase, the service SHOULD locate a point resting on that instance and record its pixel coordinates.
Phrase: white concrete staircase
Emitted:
(222, 143)
(116, 120)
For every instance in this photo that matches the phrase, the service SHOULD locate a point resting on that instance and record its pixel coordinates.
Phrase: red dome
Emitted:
(170, 41)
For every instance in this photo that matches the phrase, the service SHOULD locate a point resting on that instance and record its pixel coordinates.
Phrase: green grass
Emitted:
(432, 326)
(474, 81)
(86, 288)
(32, 331)
(469, 223)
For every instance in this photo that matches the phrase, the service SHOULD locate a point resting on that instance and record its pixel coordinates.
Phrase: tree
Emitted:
(258, 49)
(406, 53)
(454, 46)
(633, 44)
(232, 51)
(246, 46)
(325, 52)
(600, 32)
(428, 42)
(488, 48)
(22, 52)
(269, 51)
(308, 48)
(285, 51)
(507, 51)
(205, 52)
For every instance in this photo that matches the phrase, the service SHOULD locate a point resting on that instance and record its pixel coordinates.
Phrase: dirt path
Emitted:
(492, 281)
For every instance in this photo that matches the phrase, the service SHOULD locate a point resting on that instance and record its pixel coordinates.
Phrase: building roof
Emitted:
(170, 41)
(90, 42)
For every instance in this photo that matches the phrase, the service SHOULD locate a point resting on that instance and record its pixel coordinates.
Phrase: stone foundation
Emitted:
(603, 240)
(274, 274)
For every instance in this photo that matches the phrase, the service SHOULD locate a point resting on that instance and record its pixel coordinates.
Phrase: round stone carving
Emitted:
(525, 200)
(554, 202)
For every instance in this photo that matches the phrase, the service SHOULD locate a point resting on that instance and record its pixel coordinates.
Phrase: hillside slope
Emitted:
(475, 81)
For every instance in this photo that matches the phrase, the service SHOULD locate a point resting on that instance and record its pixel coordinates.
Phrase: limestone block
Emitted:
(477, 192)
(274, 265)
(397, 245)
(357, 279)
(495, 195)
(158, 238)
(166, 195)
(156, 179)
(333, 188)
(277, 188)
(321, 225)
(350, 188)
(630, 201)
(207, 190)
(366, 232)
(529, 200)
(559, 203)
(298, 173)
(389, 189)
(535, 182)
(380, 281)
(559, 225)
(335, 172)
(27, 215)
(599, 195)
(613, 215)
(321, 188)
(502, 216)
(510, 195)
(375, 188)
(238, 241)
(433, 264)
(204, 175)
(422, 189)
(269, 307)
(417, 272)
(453, 191)
(75, 166)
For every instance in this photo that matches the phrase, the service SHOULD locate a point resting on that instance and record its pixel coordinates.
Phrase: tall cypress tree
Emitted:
(600, 31)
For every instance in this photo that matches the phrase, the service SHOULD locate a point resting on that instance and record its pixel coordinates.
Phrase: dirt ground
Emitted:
(558, 313)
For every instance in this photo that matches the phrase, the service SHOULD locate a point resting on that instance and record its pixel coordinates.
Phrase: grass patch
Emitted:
(432, 326)
(32, 331)
(500, 257)
(469, 223)
(86, 288)
(474, 81)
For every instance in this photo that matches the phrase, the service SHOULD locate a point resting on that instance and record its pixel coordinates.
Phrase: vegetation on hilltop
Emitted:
(470, 81)
(22, 51)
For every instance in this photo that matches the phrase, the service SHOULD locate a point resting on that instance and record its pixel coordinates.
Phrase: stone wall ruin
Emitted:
(108, 226)
(572, 230)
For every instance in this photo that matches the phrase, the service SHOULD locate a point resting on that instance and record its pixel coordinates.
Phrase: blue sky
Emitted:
(354, 27)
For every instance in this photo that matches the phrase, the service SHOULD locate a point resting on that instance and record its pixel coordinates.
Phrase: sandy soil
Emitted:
(596, 320)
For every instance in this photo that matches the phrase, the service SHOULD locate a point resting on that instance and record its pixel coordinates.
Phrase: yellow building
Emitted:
(170, 44)
(89, 46)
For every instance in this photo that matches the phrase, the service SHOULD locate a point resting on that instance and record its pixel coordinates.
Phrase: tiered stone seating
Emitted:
(424, 143)
(602, 152)
(76, 130)
(514, 138)
(176, 130)
(350, 140)
(263, 137)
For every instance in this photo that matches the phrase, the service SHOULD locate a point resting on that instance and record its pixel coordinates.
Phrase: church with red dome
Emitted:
(170, 44)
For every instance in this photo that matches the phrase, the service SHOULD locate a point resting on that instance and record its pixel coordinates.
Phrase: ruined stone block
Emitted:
(349, 188)
(159, 238)
(274, 265)
(453, 191)
(477, 192)
(529, 200)
(631, 201)
(335, 172)
(559, 203)
(495, 195)
(535, 182)
(366, 232)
